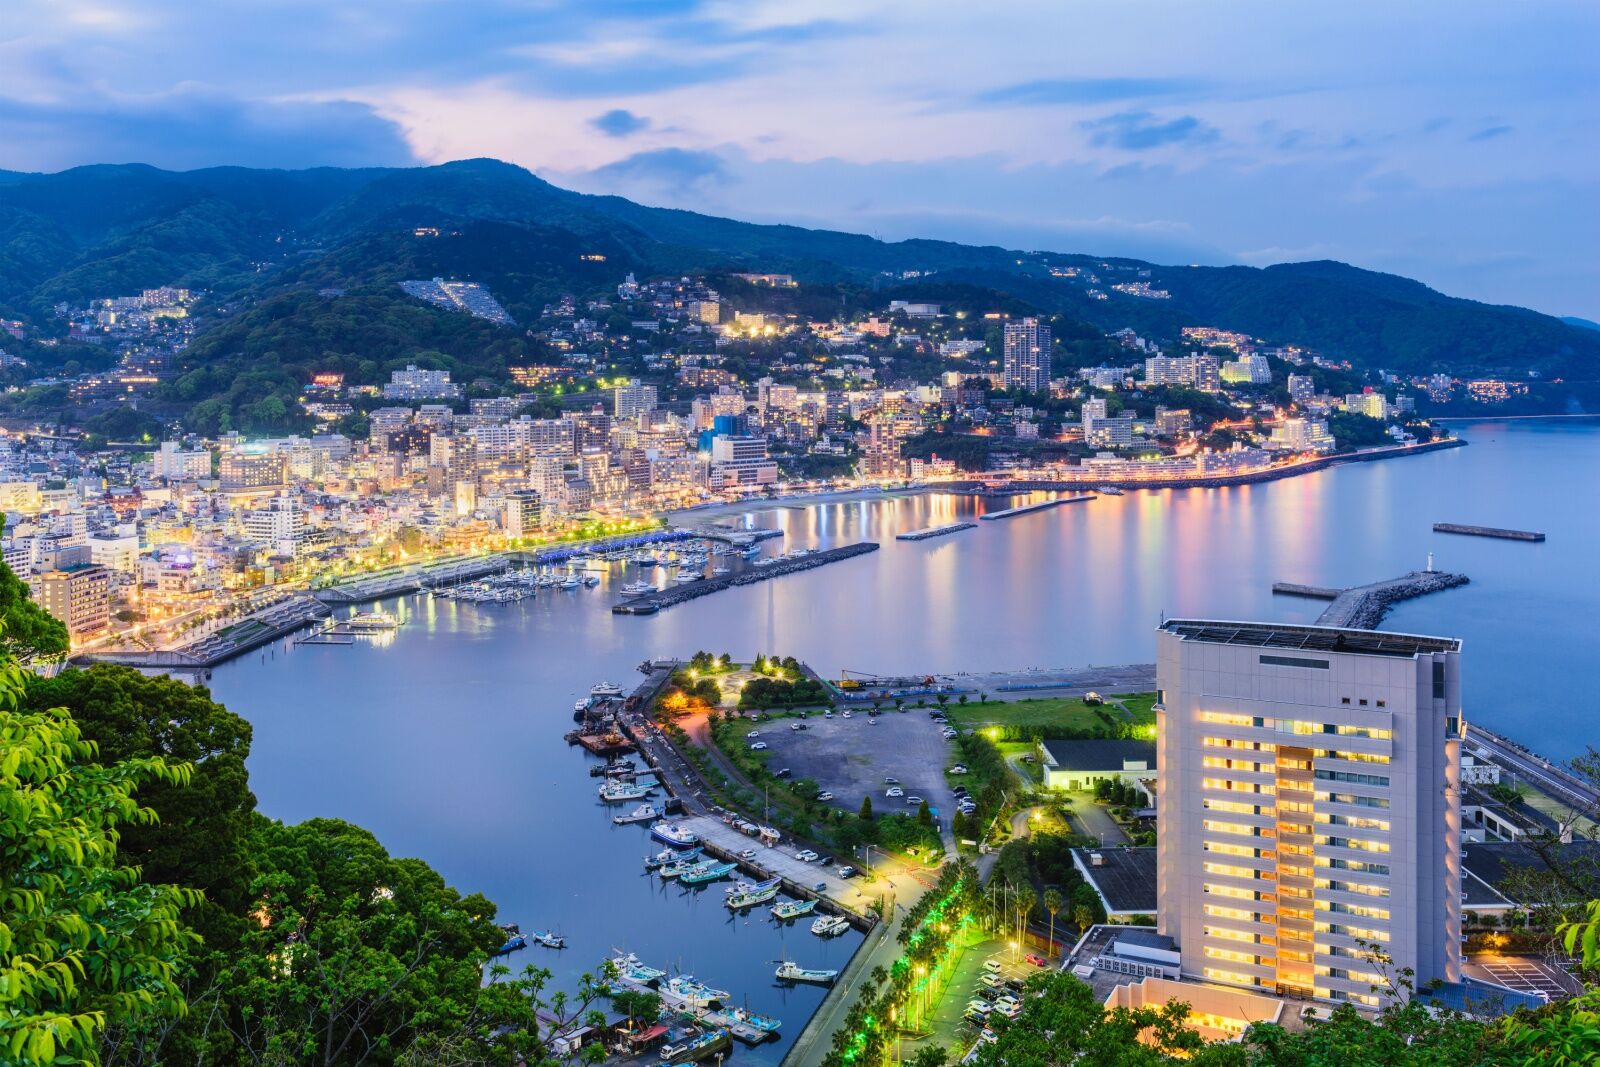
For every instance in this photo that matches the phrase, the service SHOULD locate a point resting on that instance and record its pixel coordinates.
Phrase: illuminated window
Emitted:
(1230, 871)
(1218, 974)
(1217, 911)
(1225, 718)
(1238, 829)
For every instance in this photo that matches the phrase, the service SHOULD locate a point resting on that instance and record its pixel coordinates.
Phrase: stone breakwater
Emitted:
(1364, 606)
(650, 603)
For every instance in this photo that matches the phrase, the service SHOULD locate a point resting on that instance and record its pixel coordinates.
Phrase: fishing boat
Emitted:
(615, 791)
(830, 925)
(759, 893)
(550, 939)
(512, 943)
(643, 813)
(710, 871)
(706, 1045)
(673, 870)
(631, 968)
(605, 689)
(792, 909)
(667, 856)
(731, 1017)
(789, 971)
(675, 835)
(696, 994)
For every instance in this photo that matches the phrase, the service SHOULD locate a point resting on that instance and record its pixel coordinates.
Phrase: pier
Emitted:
(250, 633)
(1043, 505)
(653, 601)
(936, 531)
(1363, 607)
(1487, 531)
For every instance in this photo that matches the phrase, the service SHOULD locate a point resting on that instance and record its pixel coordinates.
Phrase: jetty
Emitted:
(653, 601)
(1487, 531)
(1043, 505)
(936, 531)
(1363, 607)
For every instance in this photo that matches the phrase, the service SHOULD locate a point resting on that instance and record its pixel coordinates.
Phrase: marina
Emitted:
(650, 603)
(1029, 509)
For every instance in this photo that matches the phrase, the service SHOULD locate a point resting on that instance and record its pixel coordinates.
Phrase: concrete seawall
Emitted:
(1364, 606)
(652, 602)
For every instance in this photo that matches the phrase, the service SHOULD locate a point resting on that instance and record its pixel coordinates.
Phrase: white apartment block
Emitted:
(1309, 805)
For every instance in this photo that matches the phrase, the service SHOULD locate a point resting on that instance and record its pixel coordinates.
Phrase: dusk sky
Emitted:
(1452, 142)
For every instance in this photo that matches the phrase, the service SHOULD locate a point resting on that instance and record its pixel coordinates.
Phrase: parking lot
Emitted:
(851, 758)
(1525, 974)
(946, 1019)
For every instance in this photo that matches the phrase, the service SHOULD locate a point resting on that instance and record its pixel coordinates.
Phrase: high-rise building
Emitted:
(633, 399)
(741, 461)
(177, 464)
(1302, 387)
(253, 472)
(524, 513)
(1207, 373)
(1027, 355)
(1169, 370)
(80, 596)
(1309, 805)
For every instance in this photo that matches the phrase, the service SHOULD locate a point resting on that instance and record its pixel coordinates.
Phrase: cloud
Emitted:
(669, 174)
(1490, 133)
(619, 122)
(1138, 131)
(1086, 91)
(187, 130)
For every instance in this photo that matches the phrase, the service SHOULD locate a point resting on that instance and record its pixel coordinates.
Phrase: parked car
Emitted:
(784, 773)
(797, 726)
(824, 796)
(759, 746)
(981, 1006)
(847, 872)
(752, 735)
(805, 855)
(748, 854)
(828, 714)
(913, 800)
(960, 768)
(847, 713)
(889, 780)
(894, 791)
(991, 966)
(1036, 959)
(1013, 984)
(992, 981)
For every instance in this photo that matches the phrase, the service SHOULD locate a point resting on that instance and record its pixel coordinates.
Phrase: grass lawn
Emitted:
(1069, 712)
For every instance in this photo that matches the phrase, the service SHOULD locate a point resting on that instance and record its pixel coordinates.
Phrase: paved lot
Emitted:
(1525, 974)
(851, 757)
(945, 1021)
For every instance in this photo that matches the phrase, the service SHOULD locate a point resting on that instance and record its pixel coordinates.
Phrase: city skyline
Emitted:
(1437, 142)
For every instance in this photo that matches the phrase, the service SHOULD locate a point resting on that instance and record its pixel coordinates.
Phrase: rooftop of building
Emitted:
(1097, 754)
(1309, 638)
(1125, 877)
(1497, 863)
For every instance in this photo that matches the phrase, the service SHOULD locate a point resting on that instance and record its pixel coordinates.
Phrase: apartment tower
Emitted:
(1027, 355)
(1309, 805)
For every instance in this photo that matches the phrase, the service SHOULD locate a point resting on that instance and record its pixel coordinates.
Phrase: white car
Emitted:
(748, 854)
(913, 800)
(806, 856)
(979, 1005)
(847, 713)
(824, 796)
(992, 966)
(894, 791)
(759, 746)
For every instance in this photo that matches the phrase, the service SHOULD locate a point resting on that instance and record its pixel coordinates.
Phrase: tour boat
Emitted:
(372, 620)
(792, 909)
(789, 971)
(830, 925)
(675, 835)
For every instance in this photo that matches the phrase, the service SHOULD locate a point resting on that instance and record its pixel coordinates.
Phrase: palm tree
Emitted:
(1052, 904)
(1083, 915)
(1026, 898)
(878, 975)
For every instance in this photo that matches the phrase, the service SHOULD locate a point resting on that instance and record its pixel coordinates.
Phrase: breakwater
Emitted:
(1487, 531)
(652, 602)
(936, 531)
(1043, 505)
(1364, 606)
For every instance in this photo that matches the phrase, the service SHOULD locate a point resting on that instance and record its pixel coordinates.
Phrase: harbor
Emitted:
(936, 531)
(1487, 531)
(1043, 505)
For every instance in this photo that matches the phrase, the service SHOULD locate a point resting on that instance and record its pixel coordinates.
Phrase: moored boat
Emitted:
(702, 1047)
(830, 925)
(667, 856)
(675, 835)
(710, 871)
(615, 791)
(759, 893)
(643, 813)
(633, 969)
(789, 971)
(550, 939)
(684, 987)
(792, 909)
(512, 943)
(605, 689)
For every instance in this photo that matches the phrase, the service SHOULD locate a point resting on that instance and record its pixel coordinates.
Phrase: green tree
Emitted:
(865, 813)
(1082, 916)
(1052, 904)
(84, 943)
(924, 814)
(27, 631)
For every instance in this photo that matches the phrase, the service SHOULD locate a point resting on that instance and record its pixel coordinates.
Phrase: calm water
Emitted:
(446, 740)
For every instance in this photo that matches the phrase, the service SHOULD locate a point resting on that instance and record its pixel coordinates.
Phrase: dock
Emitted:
(1487, 531)
(936, 531)
(1363, 607)
(1043, 505)
(653, 601)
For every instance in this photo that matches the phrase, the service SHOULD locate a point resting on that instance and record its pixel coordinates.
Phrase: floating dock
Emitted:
(653, 601)
(1487, 531)
(936, 531)
(1043, 505)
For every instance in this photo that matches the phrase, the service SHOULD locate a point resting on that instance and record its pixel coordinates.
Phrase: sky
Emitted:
(1452, 141)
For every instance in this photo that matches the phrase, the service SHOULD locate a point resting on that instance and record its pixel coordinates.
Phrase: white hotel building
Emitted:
(1309, 802)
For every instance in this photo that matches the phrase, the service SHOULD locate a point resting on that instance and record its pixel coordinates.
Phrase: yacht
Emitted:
(605, 689)
(830, 925)
(638, 588)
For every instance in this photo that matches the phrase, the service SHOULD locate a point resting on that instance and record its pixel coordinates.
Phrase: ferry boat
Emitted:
(605, 689)
(372, 620)
(696, 994)
(702, 1047)
(792, 909)
(635, 970)
(830, 925)
(759, 893)
(710, 871)
(643, 813)
(550, 939)
(614, 791)
(673, 834)
(789, 971)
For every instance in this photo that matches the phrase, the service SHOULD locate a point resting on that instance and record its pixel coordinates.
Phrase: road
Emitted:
(1538, 772)
(880, 949)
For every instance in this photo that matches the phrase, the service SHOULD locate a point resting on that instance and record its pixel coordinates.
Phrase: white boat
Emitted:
(372, 620)
(612, 791)
(719, 570)
(570, 582)
(830, 925)
(1109, 490)
(630, 967)
(789, 971)
(675, 835)
(696, 994)
(605, 689)
(583, 705)
(686, 578)
(643, 813)
(638, 588)
(591, 581)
